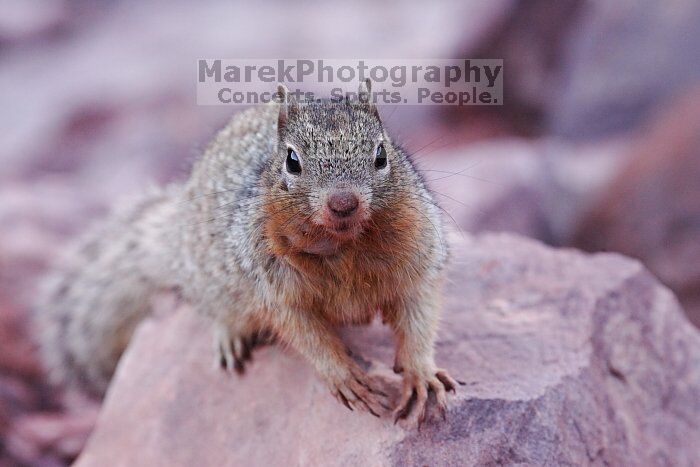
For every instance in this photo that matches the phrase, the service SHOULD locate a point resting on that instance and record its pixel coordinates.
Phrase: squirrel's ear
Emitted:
(364, 91)
(364, 94)
(288, 106)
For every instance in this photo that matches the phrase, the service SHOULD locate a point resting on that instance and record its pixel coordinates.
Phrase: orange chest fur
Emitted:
(351, 287)
(364, 275)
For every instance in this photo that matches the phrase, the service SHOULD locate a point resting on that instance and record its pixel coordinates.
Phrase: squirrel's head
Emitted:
(334, 163)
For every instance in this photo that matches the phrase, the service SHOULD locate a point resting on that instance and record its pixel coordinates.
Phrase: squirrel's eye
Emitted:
(293, 165)
(380, 157)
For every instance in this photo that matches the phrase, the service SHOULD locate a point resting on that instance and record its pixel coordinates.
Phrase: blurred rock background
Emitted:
(597, 145)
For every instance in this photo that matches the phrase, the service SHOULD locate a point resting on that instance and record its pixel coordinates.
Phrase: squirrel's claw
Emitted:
(224, 352)
(234, 351)
(357, 391)
(232, 355)
(414, 397)
(449, 383)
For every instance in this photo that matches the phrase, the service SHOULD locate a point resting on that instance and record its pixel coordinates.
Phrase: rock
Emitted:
(567, 359)
(621, 63)
(17, 357)
(492, 186)
(530, 37)
(583, 70)
(651, 208)
(538, 188)
(60, 435)
(32, 20)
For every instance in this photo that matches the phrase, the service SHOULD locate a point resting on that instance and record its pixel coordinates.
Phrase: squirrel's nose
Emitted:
(343, 203)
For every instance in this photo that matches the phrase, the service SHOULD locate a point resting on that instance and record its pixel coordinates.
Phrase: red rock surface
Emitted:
(567, 359)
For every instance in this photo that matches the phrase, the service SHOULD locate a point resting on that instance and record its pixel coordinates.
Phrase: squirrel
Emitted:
(299, 217)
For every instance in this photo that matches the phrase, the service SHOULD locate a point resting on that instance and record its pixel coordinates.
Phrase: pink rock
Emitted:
(567, 359)
(59, 435)
(17, 354)
(23, 21)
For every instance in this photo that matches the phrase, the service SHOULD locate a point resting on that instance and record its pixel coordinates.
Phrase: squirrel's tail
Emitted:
(91, 303)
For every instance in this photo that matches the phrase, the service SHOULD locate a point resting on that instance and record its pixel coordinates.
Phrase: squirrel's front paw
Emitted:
(234, 350)
(414, 394)
(356, 390)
